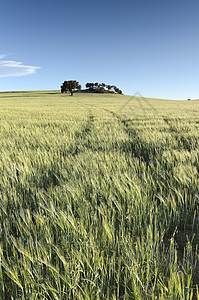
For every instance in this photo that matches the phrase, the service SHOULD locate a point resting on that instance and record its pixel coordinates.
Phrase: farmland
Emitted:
(99, 197)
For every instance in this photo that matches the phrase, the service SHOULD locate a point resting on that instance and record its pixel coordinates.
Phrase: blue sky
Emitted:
(146, 46)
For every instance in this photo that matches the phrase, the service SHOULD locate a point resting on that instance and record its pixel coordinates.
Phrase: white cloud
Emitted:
(2, 56)
(10, 68)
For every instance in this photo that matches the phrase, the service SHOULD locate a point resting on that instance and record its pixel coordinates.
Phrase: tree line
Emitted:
(73, 85)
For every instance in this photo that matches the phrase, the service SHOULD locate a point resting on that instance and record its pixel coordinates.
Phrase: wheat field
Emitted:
(99, 197)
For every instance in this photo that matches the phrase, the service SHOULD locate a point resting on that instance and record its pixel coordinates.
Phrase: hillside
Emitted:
(98, 197)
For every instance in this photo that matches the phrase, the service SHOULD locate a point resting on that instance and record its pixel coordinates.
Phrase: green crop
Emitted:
(99, 197)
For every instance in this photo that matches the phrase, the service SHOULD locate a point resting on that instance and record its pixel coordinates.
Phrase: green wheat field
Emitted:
(99, 197)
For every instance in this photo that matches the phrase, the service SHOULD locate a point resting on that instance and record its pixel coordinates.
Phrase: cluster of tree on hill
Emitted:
(73, 85)
(103, 88)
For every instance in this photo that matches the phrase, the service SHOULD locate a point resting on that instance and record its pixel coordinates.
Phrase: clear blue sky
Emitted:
(146, 46)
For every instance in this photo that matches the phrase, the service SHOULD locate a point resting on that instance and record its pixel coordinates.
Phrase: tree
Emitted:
(117, 90)
(90, 85)
(109, 87)
(70, 86)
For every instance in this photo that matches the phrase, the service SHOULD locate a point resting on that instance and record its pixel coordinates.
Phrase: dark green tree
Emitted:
(117, 90)
(109, 87)
(90, 85)
(71, 86)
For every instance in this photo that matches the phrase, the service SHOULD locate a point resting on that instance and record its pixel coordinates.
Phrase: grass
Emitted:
(99, 197)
